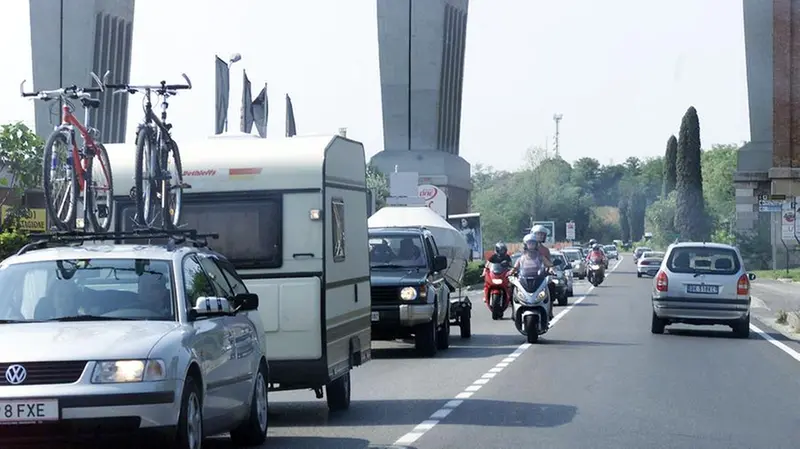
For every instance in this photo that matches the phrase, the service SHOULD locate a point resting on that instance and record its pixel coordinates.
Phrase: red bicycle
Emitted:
(68, 169)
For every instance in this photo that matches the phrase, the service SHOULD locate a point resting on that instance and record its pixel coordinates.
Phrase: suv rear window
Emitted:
(703, 260)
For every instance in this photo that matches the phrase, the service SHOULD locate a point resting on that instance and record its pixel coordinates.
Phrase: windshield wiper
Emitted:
(392, 265)
(90, 318)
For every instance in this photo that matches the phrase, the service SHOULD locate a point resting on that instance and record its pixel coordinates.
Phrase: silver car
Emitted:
(611, 252)
(578, 262)
(649, 263)
(700, 284)
(122, 341)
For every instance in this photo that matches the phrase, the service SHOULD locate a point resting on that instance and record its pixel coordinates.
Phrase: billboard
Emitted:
(551, 226)
(470, 227)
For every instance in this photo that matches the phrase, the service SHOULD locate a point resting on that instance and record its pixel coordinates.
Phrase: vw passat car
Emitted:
(126, 341)
(700, 284)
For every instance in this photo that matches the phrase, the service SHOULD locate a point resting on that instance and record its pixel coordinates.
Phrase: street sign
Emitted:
(570, 230)
(771, 203)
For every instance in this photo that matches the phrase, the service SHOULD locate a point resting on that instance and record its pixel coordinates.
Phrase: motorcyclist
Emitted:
(500, 254)
(596, 255)
(535, 253)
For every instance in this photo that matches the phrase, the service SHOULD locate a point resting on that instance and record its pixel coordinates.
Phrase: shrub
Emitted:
(474, 273)
(11, 242)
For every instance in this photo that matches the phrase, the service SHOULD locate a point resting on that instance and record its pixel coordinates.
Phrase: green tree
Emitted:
(718, 166)
(624, 224)
(690, 216)
(378, 184)
(20, 167)
(669, 166)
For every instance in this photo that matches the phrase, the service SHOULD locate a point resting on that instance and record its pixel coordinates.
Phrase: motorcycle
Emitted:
(497, 289)
(531, 306)
(596, 274)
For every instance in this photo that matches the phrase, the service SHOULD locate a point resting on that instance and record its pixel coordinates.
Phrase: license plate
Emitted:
(376, 316)
(702, 289)
(28, 411)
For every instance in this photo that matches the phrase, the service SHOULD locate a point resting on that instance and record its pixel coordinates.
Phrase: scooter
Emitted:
(596, 276)
(497, 289)
(531, 306)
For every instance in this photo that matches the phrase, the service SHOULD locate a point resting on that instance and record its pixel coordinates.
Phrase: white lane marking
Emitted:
(467, 393)
(791, 352)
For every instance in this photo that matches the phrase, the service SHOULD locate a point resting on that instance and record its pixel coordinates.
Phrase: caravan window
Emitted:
(249, 231)
(337, 212)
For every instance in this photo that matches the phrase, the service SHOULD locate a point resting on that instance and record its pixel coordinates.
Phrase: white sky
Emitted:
(622, 72)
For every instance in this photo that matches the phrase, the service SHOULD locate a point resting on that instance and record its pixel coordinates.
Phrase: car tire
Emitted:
(562, 299)
(253, 431)
(741, 329)
(337, 393)
(190, 420)
(443, 334)
(638, 275)
(657, 325)
(425, 338)
(570, 293)
(465, 323)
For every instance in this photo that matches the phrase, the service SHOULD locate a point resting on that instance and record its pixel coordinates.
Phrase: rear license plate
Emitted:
(28, 411)
(702, 289)
(376, 316)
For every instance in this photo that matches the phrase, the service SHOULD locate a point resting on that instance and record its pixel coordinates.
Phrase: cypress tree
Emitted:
(623, 219)
(668, 176)
(690, 216)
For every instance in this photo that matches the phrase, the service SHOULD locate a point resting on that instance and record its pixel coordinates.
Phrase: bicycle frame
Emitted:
(69, 123)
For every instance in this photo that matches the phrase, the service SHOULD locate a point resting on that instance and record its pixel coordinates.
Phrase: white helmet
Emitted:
(529, 241)
(539, 233)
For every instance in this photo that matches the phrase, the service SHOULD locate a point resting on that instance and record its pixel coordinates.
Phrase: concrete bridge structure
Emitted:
(770, 163)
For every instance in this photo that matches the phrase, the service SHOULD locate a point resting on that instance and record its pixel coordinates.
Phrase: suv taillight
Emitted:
(743, 286)
(662, 283)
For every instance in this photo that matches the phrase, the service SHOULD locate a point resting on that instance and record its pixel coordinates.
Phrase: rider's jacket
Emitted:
(497, 258)
(596, 256)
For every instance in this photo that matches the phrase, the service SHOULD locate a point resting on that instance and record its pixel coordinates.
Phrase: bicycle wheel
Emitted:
(99, 191)
(144, 182)
(59, 181)
(172, 185)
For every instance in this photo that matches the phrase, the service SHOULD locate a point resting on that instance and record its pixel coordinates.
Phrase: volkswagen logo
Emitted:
(16, 374)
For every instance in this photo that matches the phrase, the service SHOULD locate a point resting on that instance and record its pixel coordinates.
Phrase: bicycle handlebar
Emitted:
(72, 92)
(160, 88)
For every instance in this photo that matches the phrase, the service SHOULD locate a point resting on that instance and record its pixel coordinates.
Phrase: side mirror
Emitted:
(211, 305)
(439, 263)
(751, 276)
(245, 302)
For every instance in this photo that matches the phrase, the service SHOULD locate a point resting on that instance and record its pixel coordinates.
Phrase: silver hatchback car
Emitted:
(702, 283)
(124, 340)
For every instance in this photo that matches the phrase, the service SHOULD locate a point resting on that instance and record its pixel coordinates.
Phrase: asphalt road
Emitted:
(598, 379)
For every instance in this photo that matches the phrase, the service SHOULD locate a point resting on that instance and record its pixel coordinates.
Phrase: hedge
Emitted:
(474, 273)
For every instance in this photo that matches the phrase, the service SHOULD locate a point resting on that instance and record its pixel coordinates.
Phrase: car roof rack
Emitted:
(175, 238)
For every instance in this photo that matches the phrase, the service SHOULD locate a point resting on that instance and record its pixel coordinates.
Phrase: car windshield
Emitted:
(87, 289)
(652, 255)
(401, 250)
(703, 260)
(572, 255)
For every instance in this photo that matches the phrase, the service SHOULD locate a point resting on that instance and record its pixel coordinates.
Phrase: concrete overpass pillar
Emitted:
(421, 47)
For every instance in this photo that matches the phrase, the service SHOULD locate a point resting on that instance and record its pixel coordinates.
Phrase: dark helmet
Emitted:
(596, 247)
(500, 248)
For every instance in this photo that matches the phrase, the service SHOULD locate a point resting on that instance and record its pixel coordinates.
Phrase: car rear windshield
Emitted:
(652, 255)
(610, 248)
(134, 289)
(703, 260)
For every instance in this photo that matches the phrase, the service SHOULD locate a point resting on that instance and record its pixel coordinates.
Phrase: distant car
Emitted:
(563, 278)
(120, 341)
(578, 262)
(648, 263)
(637, 253)
(611, 252)
(700, 284)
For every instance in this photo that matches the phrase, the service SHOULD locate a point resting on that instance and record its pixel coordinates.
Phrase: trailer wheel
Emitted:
(338, 393)
(465, 323)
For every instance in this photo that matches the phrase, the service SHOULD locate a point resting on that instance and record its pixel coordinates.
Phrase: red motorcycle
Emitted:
(497, 288)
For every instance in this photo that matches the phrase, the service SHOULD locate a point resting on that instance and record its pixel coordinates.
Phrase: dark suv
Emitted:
(409, 292)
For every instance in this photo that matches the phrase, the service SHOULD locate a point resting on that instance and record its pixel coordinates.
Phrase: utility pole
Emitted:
(557, 118)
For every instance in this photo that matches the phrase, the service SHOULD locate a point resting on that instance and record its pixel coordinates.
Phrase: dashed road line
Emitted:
(435, 418)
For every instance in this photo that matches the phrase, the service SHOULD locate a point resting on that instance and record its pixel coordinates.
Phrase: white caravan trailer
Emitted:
(292, 216)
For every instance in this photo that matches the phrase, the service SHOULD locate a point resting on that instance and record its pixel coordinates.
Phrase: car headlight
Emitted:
(541, 295)
(408, 294)
(556, 281)
(123, 371)
(497, 281)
